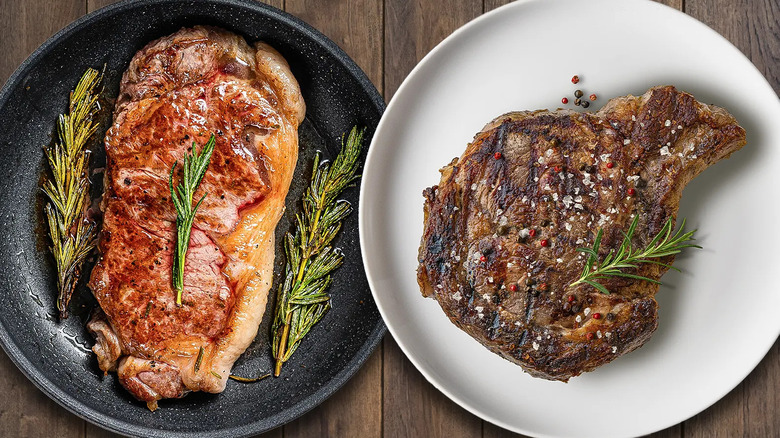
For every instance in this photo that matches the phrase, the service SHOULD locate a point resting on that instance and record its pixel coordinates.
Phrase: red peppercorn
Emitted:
(532, 232)
(543, 287)
(557, 168)
(575, 79)
(589, 336)
(497, 155)
(592, 97)
(631, 192)
(482, 259)
(565, 100)
(570, 299)
(610, 165)
(513, 288)
(596, 315)
(544, 242)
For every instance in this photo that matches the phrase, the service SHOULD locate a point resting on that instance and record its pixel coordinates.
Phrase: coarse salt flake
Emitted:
(535, 345)
(586, 311)
(665, 151)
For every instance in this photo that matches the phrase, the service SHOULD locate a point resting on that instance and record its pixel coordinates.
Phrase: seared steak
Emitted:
(502, 227)
(177, 91)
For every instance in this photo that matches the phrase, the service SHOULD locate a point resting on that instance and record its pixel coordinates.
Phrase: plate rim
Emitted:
(107, 422)
(363, 221)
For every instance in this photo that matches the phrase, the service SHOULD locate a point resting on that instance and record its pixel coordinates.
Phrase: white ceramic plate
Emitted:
(718, 317)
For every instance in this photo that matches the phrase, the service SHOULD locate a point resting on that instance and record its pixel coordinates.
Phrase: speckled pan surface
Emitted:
(55, 355)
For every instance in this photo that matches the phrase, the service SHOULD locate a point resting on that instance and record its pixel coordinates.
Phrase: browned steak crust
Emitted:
(177, 92)
(502, 227)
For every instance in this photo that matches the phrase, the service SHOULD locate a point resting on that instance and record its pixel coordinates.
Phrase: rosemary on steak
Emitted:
(67, 187)
(665, 243)
(193, 168)
(302, 300)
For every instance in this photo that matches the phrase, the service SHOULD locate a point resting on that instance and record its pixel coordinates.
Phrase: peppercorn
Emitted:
(585, 104)
(610, 316)
(610, 165)
(631, 192)
(575, 79)
(564, 100)
(593, 97)
(482, 259)
(497, 155)
(544, 242)
(570, 299)
(513, 287)
(578, 93)
(596, 315)
(589, 336)
(532, 232)
(577, 102)
(530, 282)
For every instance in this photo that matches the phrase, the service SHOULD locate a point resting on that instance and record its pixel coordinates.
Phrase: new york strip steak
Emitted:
(180, 90)
(502, 228)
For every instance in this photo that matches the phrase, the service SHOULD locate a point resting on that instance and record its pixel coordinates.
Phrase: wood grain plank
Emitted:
(24, 410)
(751, 25)
(93, 5)
(414, 408)
(413, 28)
(752, 409)
(356, 26)
(355, 410)
(278, 4)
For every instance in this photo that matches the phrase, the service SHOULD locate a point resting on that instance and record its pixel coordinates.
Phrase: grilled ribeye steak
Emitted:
(177, 90)
(498, 250)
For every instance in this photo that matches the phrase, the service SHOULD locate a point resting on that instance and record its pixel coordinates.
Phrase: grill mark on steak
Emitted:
(552, 177)
(177, 91)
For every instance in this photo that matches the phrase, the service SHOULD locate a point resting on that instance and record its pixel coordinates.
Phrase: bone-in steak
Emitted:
(502, 227)
(181, 89)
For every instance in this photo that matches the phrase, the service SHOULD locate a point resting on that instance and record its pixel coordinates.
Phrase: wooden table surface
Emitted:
(389, 397)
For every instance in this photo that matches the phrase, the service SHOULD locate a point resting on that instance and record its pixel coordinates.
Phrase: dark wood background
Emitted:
(388, 397)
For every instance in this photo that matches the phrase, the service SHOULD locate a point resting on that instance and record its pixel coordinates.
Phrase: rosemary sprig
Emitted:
(302, 301)
(193, 169)
(665, 243)
(248, 379)
(72, 233)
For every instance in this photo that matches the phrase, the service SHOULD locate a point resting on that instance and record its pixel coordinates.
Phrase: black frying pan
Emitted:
(55, 355)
